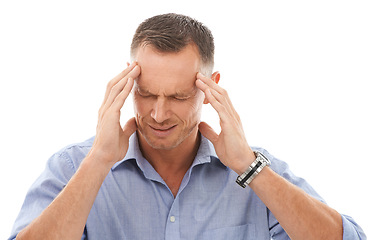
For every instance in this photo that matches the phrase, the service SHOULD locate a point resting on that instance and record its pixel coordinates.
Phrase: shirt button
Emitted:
(172, 219)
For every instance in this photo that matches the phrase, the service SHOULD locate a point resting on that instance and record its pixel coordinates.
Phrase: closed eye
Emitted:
(180, 98)
(176, 97)
(145, 95)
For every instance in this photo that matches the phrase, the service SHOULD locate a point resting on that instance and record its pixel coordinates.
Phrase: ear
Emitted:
(215, 77)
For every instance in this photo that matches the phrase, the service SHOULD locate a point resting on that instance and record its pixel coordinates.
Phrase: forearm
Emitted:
(300, 215)
(66, 216)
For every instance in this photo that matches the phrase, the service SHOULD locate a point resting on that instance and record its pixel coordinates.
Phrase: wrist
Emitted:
(245, 163)
(253, 170)
(97, 161)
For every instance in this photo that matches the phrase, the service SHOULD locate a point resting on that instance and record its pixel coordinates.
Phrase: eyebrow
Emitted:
(179, 93)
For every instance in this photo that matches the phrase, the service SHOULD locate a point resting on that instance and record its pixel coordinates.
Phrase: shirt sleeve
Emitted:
(351, 230)
(58, 171)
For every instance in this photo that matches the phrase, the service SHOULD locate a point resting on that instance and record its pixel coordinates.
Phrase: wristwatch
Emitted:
(260, 162)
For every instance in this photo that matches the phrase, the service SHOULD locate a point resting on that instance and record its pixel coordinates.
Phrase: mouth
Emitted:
(162, 128)
(163, 131)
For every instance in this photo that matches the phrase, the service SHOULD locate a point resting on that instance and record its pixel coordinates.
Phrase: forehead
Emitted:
(168, 72)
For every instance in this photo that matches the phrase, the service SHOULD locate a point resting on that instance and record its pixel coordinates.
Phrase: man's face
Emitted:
(167, 103)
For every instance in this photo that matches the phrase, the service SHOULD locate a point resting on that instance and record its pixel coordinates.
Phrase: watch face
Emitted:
(262, 158)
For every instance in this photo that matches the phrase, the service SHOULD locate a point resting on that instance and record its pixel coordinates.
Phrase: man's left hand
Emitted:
(230, 144)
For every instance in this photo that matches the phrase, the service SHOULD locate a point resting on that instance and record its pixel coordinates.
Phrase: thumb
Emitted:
(208, 132)
(130, 127)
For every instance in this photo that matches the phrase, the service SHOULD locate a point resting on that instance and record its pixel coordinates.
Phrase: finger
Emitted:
(221, 95)
(130, 127)
(121, 97)
(117, 89)
(220, 109)
(208, 132)
(209, 82)
(201, 85)
(116, 79)
(222, 99)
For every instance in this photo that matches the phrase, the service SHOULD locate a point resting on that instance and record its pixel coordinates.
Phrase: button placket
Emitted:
(172, 225)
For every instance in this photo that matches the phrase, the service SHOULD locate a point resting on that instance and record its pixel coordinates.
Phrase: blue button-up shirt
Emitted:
(134, 202)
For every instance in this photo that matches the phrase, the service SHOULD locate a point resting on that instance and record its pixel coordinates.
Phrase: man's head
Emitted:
(170, 33)
(170, 50)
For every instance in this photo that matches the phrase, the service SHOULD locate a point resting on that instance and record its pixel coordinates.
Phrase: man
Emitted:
(165, 175)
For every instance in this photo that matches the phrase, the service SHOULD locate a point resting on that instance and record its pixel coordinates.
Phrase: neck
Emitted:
(175, 160)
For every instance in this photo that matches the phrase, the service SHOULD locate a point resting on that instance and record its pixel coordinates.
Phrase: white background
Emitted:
(298, 73)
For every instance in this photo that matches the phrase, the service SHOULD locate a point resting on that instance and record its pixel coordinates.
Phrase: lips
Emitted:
(162, 131)
(162, 128)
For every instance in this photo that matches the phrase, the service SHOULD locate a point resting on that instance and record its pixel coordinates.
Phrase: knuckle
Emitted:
(113, 88)
(116, 89)
(100, 112)
(224, 92)
(238, 117)
(223, 108)
(109, 85)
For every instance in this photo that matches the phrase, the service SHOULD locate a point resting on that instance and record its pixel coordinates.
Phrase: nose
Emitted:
(159, 111)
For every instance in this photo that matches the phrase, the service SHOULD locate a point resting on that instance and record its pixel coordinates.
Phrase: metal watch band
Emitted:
(260, 162)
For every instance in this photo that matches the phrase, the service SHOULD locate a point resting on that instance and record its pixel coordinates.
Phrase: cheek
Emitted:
(189, 112)
(196, 104)
(141, 106)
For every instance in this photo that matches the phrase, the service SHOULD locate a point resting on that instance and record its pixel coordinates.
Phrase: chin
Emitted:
(167, 143)
(162, 144)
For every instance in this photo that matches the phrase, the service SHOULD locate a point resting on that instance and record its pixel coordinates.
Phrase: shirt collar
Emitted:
(133, 152)
(205, 152)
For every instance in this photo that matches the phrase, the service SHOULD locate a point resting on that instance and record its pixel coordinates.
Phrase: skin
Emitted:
(168, 127)
(167, 106)
(167, 103)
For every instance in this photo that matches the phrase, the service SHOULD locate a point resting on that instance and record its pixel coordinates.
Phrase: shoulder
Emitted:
(80, 146)
(72, 154)
(277, 165)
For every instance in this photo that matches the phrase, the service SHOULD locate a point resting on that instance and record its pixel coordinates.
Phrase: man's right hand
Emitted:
(66, 215)
(111, 140)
